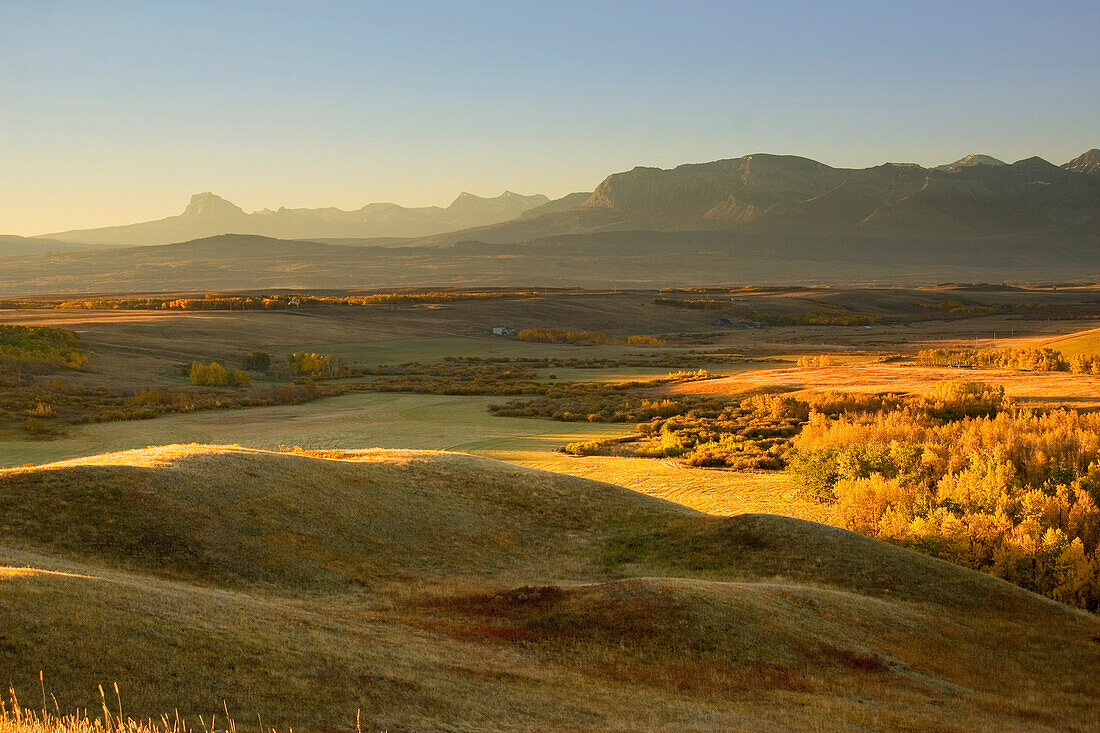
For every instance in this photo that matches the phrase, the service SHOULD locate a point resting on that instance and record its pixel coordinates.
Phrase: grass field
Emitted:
(437, 592)
(1028, 388)
(712, 491)
(436, 422)
(1086, 343)
(431, 422)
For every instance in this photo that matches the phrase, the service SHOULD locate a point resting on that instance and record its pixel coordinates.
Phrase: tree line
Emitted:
(965, 475)
(1027, 358)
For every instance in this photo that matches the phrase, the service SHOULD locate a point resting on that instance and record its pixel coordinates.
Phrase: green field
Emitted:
(351, 421)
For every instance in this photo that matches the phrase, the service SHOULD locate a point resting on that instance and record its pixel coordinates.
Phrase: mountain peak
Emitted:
(208, 204)
(508, 199)
(969, 161)
(466, 197)
(1087, 162)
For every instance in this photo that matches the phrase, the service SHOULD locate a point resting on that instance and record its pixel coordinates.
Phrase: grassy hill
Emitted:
(437, 591)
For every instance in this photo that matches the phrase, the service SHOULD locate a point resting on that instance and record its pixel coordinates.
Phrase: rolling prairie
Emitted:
(431, 591)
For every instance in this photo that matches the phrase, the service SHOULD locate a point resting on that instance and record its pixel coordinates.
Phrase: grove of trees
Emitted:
(966, 476)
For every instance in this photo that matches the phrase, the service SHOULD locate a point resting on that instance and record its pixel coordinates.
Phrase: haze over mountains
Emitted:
(208, 214)
(978, 195)
(759, 218)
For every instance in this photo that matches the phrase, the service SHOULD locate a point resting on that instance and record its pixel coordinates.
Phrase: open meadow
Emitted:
(654, 561)
(439, 367)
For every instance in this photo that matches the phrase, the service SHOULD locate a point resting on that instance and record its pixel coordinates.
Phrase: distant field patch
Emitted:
(1086, 343)
(1029, 388)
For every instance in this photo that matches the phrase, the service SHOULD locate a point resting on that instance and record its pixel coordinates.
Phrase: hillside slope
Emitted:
(435, 591)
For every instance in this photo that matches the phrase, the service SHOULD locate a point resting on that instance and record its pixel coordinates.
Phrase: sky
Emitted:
(116, 112)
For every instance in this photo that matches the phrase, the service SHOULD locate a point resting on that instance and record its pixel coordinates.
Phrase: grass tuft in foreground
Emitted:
(14, 718)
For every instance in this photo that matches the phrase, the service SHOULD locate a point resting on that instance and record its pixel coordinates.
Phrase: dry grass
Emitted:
(724, 493)
(1086, 343)
(1028, 388)
(15, 718)
(306, 587)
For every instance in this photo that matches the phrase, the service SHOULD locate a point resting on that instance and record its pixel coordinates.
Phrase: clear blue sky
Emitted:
(113, 112)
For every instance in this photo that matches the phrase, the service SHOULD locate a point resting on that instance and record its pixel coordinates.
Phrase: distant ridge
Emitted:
(208, 215)
(784, 196)
(12, 246)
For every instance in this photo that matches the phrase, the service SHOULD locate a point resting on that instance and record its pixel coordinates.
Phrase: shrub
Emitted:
(821, 360)
(39, 349)
(258, 361)
(210, 374)
(35, 426)
(239, 378)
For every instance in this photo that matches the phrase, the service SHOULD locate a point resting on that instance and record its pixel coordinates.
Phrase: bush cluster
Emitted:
(39, 349)
(213, 374)
(586, 338)
(966, 476)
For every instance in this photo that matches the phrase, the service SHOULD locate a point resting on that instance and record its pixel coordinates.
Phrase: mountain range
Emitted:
(782, 196)
(207, 215)
(756, 219)
(772, 195)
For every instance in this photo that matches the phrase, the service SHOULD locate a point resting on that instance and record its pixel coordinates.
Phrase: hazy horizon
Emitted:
(117, 114)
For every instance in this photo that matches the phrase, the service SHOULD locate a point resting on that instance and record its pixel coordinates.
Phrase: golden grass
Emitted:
(1028, 388)
(413, 603)
(724, 493)
(1085, 343)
